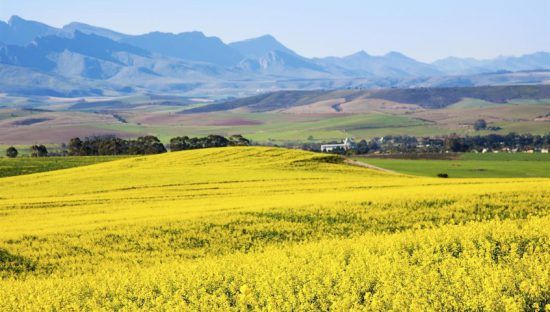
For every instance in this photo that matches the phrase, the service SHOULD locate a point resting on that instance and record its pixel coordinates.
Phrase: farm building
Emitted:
(346, 145)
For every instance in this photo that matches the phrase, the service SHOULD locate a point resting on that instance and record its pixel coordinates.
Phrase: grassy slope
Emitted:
(286, 127)
(245, 228)
(279, 127)
(472, 166)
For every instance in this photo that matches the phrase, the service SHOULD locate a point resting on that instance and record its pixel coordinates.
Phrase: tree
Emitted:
(214, 140)
(456, 144)
(480, 124)
(12, 152)
(39, 151)
(112, 146)
(362, 147)
(338, 151)
(238, 140)
(146, 145)
(179, 144)
(373, 145)
(75, 147)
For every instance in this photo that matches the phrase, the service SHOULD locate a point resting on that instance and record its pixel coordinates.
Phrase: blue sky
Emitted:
(424, 29)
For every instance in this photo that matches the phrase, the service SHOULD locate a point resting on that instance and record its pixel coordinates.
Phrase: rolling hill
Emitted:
(284, 117)
(247, 228)
(424, 97)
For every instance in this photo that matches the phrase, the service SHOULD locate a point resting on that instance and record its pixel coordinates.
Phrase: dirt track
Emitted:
(365, 165)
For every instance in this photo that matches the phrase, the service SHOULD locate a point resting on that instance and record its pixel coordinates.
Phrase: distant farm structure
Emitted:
(348, 144)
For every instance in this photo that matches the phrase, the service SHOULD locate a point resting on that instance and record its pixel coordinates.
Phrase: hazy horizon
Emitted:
(425, 30)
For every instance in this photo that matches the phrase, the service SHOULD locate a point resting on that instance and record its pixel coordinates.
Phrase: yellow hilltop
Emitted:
(257, 228)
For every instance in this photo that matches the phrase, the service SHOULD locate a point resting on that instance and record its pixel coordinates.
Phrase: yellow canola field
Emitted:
(250, 228)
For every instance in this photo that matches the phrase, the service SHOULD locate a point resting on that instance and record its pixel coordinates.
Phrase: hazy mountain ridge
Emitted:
(19, 31)
(89, 29)
(430, 98)
(393, 64)
(166, 62)
(190, 46)
(454, 65)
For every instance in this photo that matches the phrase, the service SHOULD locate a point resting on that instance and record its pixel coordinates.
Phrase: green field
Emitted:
(467, 165)
(471, 166)
(27, 165)
(283, 128)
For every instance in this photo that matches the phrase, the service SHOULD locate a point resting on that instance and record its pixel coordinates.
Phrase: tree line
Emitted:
(145, 145)
(111, 145)
(36, 151)
(452, 143)
(187, 143)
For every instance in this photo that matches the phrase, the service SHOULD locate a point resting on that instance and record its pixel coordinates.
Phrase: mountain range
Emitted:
(80, 59)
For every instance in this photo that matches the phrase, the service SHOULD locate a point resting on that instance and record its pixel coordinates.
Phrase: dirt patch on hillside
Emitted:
(46, 135)
(235, 122)
(321, 107)
(29, 121)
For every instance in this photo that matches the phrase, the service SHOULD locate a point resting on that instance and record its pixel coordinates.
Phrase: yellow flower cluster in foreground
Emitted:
(250, 228)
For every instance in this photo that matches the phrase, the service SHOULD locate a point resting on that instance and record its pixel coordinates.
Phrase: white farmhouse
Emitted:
(347, 145)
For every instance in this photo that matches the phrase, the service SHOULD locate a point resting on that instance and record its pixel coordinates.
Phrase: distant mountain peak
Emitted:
(395, 54)
(76, 24)
(191, 46)
(19, 31)
(260, 46)
(279, 62)
(90, 29)
(360, 54)
(194, 33)
(266, 37)
(15, 19)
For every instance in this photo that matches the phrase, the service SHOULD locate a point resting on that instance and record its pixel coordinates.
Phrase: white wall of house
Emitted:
(347, 145)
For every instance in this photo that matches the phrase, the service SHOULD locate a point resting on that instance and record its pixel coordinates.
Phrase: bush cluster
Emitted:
(187, 143)
(110, 145)
(146, 145)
